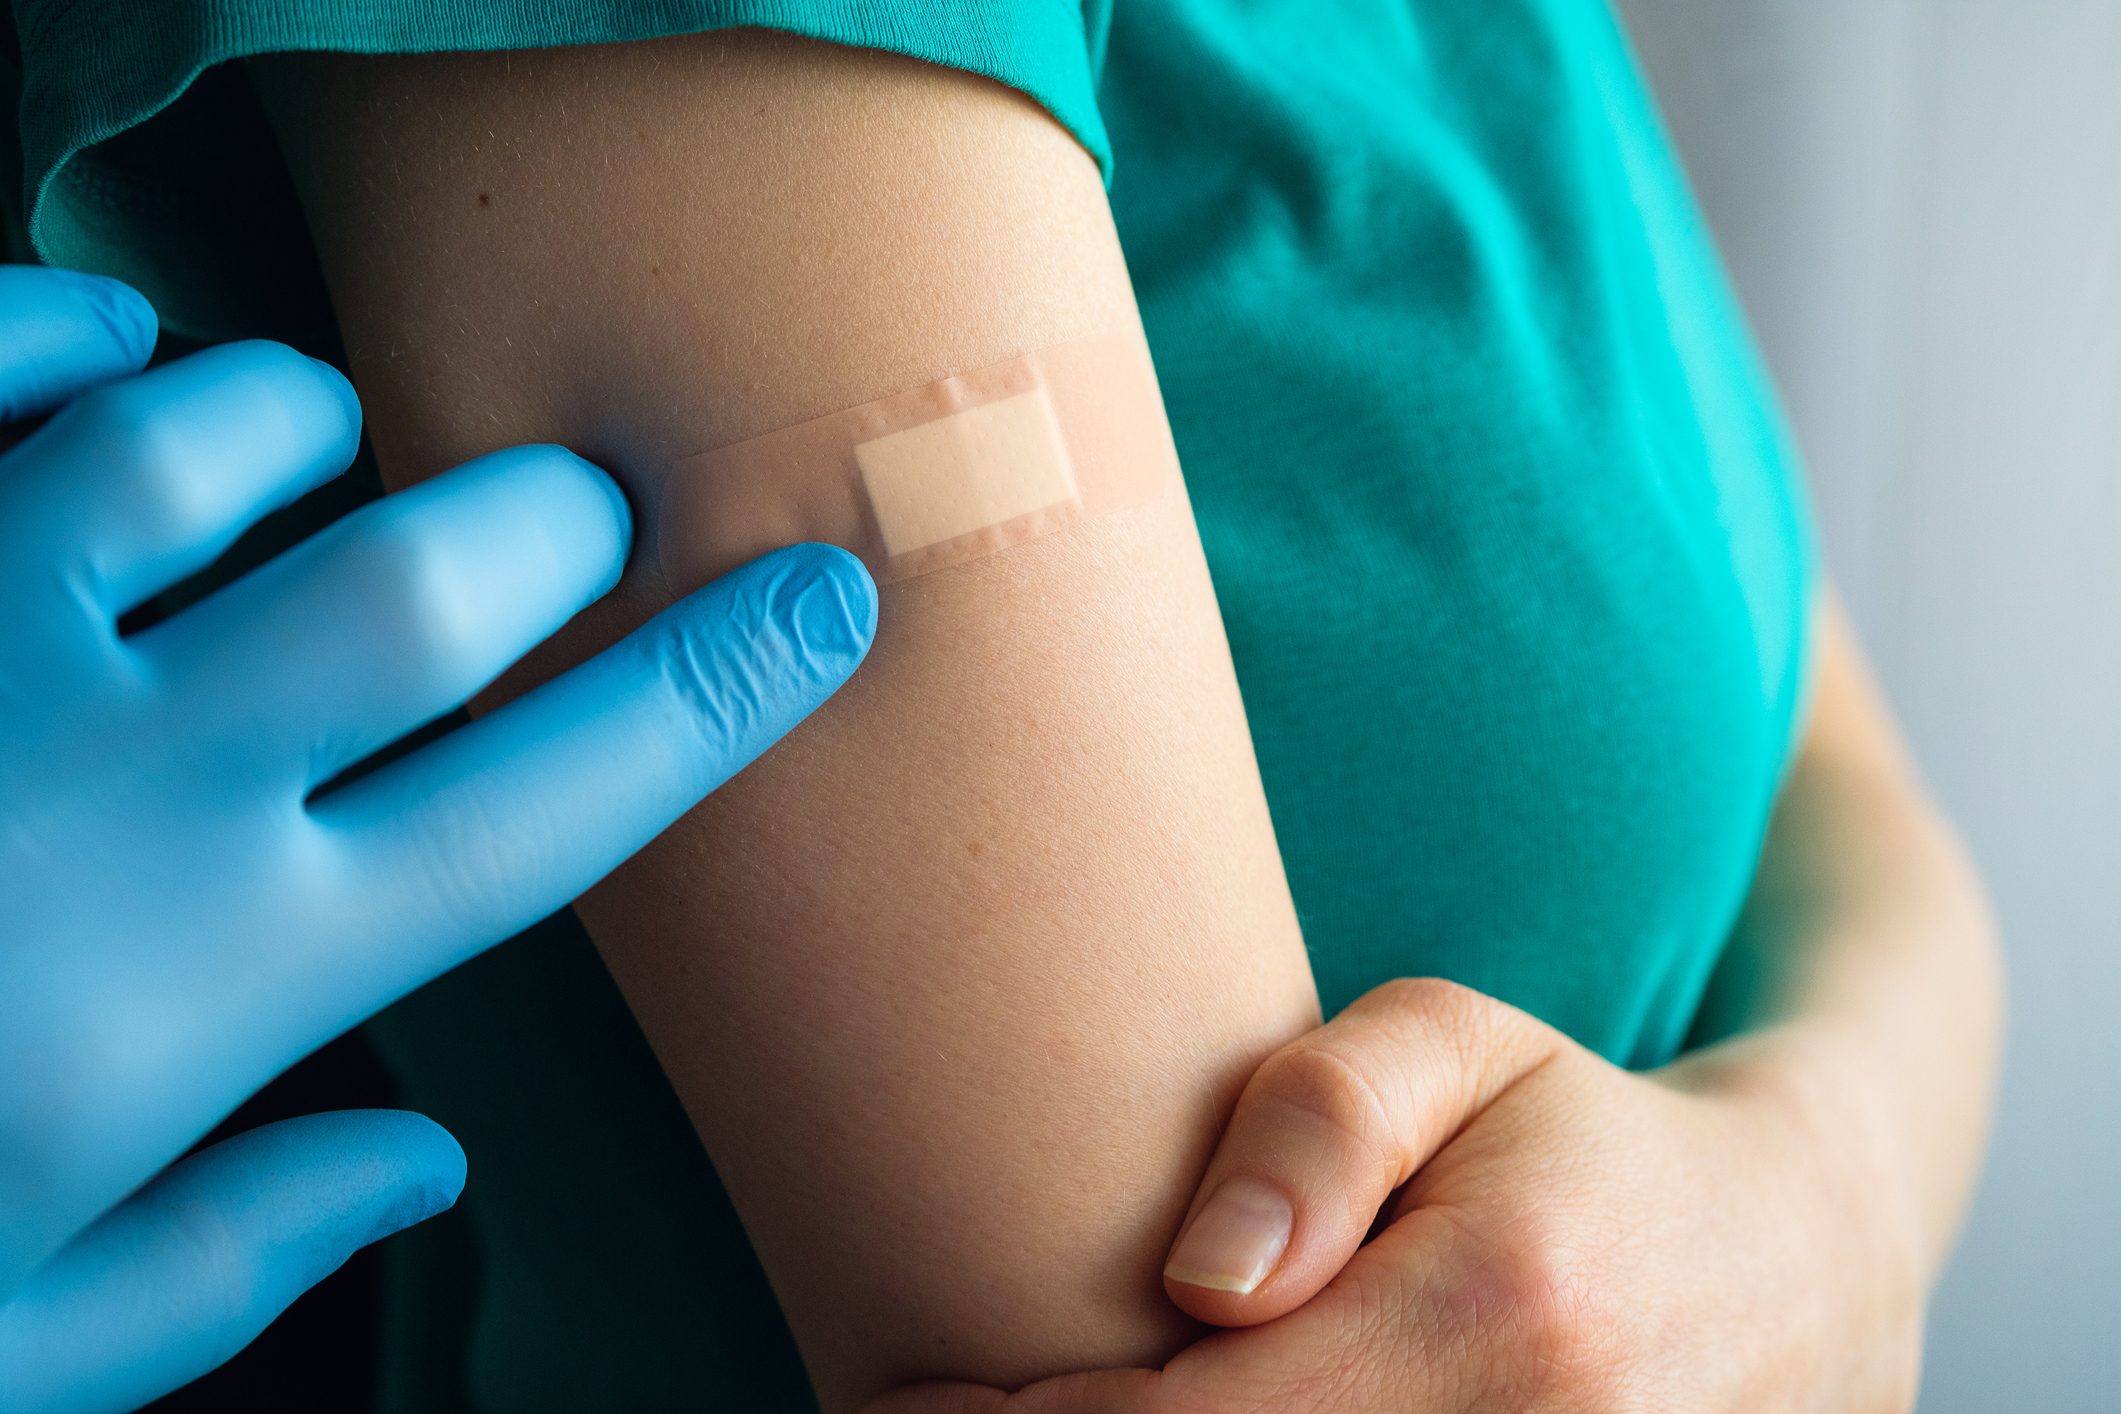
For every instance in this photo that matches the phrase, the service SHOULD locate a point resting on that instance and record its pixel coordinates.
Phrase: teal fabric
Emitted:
(1506, 528)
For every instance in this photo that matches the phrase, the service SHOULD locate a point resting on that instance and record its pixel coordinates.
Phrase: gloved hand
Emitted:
(181, 917)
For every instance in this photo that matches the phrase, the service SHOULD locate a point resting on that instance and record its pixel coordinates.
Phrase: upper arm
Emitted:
(677, 245)
(958, 982)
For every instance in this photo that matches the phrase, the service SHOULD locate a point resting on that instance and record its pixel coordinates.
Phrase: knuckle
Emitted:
(412, 592)
(1315, 1079)
(1549, 1335)
(1429, 996)
(141, 439)
(1473, 1023)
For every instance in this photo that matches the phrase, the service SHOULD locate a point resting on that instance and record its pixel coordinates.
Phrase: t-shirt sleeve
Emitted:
(144, 156)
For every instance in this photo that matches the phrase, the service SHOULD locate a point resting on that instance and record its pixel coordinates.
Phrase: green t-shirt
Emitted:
(1505, 526)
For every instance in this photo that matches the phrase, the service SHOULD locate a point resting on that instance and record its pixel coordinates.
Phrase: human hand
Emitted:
(184, 915)
(1565, 1235)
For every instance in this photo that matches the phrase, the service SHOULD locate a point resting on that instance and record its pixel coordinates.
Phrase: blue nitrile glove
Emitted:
(179, 920)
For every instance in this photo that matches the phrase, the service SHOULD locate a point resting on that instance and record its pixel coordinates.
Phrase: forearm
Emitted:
(957, 984)
(1865, 968)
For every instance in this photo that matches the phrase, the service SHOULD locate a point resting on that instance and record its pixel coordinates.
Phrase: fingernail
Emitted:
(1236, 1239)
(834, 614)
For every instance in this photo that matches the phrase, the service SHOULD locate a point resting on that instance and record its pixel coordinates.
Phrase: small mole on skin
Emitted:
(975, 848)
(485, 199)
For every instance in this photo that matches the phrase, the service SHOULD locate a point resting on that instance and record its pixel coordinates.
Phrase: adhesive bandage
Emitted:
(935, 476)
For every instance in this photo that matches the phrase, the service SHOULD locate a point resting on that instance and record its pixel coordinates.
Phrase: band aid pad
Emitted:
(933, 477)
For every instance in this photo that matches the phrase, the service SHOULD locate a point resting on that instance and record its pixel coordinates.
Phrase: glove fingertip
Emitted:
(434, 1170)
(63, 332)
(579, 498)
(393, 1168)
(833, 611)
(123, 311)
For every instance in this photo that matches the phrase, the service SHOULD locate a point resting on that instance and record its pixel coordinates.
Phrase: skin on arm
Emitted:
(1753, 1227)
(958, 983)
(1865, 972)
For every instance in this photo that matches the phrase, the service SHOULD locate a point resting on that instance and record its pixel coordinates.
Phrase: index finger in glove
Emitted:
(497, 824)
